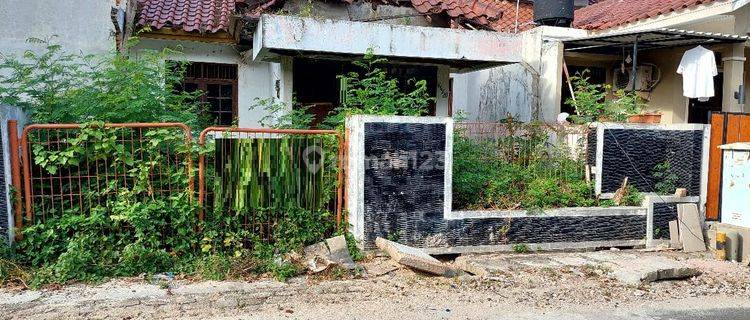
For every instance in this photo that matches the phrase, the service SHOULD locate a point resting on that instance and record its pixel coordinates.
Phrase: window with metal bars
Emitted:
(218, 83)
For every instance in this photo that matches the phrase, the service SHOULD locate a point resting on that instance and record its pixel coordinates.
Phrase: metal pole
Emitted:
(15, 174)
(634, 72)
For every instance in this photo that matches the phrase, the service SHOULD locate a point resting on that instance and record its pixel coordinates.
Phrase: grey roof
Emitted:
(649, 40)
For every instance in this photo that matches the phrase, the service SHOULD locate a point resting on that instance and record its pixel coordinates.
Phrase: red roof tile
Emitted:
(213, 15)
(188, 15)
(611, 13)
(508, 22)
(481, 12)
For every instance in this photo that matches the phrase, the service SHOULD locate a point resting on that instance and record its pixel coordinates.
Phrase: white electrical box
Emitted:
(735, 184)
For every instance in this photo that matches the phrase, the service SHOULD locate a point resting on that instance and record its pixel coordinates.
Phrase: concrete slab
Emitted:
(277, 33)
(650, 269)
(339, 252)
(691, 232)
(321, 255)
(674, 235)
(744, 239)
(628, 267)
(414, 258)
(316, 257)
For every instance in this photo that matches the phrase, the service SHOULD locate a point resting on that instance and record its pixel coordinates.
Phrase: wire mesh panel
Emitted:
(264, 177)
(519, 141)
(80, 168)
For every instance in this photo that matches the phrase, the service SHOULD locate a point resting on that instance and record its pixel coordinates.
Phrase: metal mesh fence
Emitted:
(526, 143)
(77, 168)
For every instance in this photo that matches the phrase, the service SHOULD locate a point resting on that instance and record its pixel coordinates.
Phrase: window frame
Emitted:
(202, 83)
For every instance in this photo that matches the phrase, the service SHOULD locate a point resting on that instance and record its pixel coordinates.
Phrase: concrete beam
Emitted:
(288, 34)
(556, 246)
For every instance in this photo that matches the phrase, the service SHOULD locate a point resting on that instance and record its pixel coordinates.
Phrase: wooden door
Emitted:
(725, 128)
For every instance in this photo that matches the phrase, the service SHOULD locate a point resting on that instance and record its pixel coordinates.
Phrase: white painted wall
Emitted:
(81, 25)
(255, 79)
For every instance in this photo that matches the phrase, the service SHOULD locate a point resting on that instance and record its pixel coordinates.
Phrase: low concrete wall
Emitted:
(744, 238)
(661, 210)
(392, 195)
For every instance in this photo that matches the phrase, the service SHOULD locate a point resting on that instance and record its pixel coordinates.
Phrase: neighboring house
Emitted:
(240, 53)
(80, 26)
(719, 25)
(542, 89)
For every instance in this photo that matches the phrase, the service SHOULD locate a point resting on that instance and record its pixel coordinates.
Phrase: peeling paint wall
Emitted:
(495, 94)
(6, 212)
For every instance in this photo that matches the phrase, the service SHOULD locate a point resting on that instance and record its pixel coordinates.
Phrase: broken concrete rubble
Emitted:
(332, 251)
(690, 229)
(414, 258)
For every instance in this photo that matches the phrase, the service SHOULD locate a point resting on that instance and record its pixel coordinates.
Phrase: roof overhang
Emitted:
(648, 40)
(460, 49)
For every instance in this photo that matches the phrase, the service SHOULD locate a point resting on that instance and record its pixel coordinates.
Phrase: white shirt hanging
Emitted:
(698, 69)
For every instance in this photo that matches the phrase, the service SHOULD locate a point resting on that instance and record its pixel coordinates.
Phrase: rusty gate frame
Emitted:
(25, 162)
(341, 160)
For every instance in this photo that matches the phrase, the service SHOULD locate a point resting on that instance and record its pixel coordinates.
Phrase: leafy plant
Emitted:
(520, 248)
(373, 92)
(279, 115)
(665, 178)
(518, 170)
(521, 170)
(632, 197)
(54, 86)
(592, 104)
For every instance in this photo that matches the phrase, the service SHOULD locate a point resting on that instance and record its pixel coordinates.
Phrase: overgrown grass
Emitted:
(520, 171)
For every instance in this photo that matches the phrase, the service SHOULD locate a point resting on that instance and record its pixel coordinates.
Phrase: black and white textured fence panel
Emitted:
(634, 150)
(399, 172)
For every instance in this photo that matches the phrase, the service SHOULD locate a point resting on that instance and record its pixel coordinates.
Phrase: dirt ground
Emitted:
(721, 291)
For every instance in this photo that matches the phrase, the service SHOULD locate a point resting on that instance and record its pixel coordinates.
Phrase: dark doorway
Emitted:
(317, 86)
(698, 111)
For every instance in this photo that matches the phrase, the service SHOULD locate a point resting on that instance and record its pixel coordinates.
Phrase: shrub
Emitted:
(54, 86)
(591, 103)
(665, 178)
(521, 171)
(372, 91)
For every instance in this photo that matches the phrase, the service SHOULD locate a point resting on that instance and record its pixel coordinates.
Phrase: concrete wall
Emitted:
(667, 96)
(394, 193)
(255, 79)
(81, 25)
(494, 94)
(543, 53)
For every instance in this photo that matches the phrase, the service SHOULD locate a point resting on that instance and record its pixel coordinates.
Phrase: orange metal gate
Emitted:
(40, 193)
(49, 192)
(725, 128)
